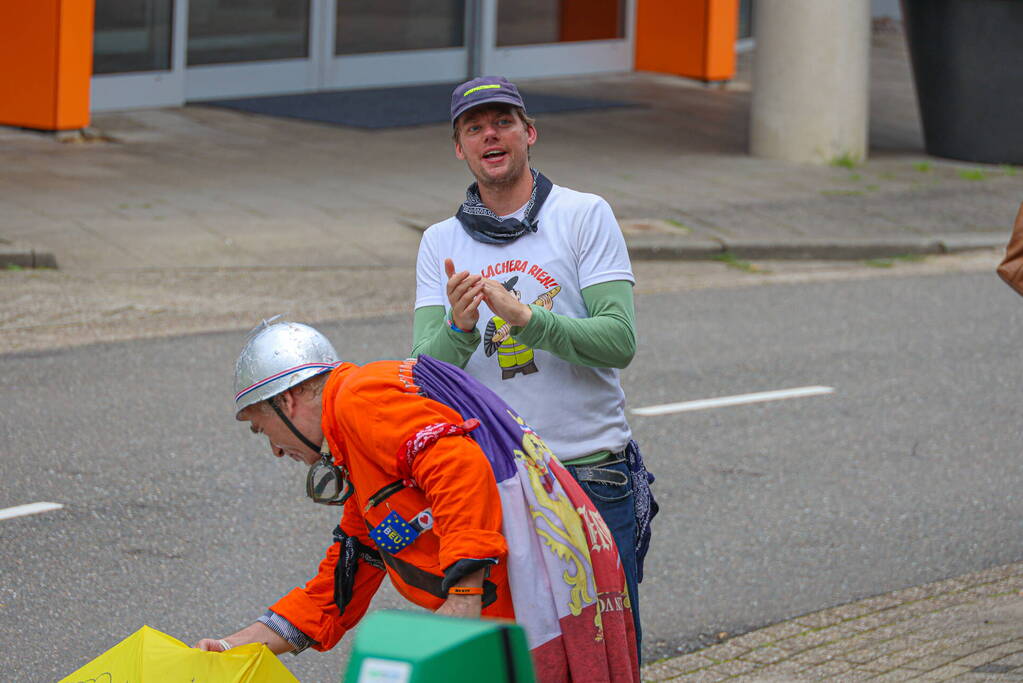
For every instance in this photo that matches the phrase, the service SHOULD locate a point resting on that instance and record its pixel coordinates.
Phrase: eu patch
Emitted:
(393, 533)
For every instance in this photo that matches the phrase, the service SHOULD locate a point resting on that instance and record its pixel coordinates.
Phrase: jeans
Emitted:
(609, 486)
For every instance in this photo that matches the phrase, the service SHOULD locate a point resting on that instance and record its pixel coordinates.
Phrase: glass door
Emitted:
(135, 59)
(251, 47)
(392, 42)
(535, 38)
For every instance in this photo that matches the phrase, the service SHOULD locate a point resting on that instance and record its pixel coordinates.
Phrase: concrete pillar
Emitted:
(810, 80)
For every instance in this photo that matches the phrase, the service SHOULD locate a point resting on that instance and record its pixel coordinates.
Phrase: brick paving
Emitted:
(969, 628)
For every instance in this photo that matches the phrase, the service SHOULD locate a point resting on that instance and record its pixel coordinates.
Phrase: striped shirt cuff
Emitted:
(285, 629)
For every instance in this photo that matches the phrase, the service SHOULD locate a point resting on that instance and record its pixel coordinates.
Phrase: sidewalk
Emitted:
(241, 207)
(204, 187)
(965, 629)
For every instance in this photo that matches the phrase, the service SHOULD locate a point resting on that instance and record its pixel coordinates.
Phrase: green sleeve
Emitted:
(606, 339)
(431, 335)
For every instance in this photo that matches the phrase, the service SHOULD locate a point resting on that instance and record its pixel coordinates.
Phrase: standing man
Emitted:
(516, 239)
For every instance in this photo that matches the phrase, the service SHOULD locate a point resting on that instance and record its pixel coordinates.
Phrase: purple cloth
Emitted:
(498, 434)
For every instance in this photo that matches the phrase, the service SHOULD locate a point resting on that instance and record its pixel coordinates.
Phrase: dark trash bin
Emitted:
(968, 66)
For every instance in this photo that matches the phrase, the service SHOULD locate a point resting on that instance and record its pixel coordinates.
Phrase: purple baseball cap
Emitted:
(483, 90)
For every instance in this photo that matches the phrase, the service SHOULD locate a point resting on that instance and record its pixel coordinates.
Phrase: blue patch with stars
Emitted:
(393, 534)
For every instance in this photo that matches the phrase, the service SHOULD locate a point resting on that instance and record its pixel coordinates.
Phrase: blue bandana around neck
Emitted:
(483, 225)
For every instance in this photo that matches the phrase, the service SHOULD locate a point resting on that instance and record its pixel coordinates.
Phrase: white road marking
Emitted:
(741, 399)
(30, 509)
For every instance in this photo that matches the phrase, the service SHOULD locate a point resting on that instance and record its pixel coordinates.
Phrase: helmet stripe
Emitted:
(285, 373)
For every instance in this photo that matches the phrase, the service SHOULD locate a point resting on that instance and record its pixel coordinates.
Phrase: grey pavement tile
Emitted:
(862, 656)
(725, 651)
(780, 670)
(996, 668)
(736, 667)
(967, 648)
(856, 675)
(784, 630)
(1009, 648)
(925, 649)
(894, 645)
(957, 599)
(661, 671)
(919, 608)
(875, 620)
(751, 640)
(917, 650)
(827, 670)
(847, 630)
(878, 603)
(930, 662)
(806, 640)
(980, 658)
(691, 662)
(656, 674)
(900, 629)
(820, 655)
(897, 675)
(1000, 636)
(819, 620)
(766, 655)
(945, 673)
(891, 661)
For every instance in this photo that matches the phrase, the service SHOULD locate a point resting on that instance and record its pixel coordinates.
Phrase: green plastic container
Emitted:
(407, 647)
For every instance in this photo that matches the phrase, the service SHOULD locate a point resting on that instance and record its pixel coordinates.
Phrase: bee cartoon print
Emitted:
(513, 356)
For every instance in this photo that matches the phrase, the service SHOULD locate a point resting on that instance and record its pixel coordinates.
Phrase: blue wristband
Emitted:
(456, 328)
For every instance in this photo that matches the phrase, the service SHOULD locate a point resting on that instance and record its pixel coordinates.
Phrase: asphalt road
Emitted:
(178, 518)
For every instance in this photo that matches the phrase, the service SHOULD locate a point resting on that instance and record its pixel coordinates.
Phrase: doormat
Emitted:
(391, 107)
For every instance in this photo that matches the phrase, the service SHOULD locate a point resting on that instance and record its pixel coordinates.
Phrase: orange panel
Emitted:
(722, 32)
(28, 48)
(692, 38)
(589, 19)
(74, 69)
(48, 44)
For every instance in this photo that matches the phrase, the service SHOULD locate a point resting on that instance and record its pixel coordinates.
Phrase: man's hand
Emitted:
(506, 305)
(465, 292)
(465, 606)
(256, 633)
(211, 645)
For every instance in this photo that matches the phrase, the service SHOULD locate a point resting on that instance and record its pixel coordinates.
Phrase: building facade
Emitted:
(166, 52)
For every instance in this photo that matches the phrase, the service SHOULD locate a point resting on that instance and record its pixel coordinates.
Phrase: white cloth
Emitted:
(577, 410)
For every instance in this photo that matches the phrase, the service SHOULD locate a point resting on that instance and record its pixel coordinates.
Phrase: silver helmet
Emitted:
(277, 356)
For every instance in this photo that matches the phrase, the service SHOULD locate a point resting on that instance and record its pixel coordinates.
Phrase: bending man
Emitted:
(438, 477)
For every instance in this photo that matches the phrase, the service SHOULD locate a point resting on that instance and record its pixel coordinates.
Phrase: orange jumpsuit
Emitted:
(369, 413)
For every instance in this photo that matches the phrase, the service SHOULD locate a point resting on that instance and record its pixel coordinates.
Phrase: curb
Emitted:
(27, 258)
(663, 248)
